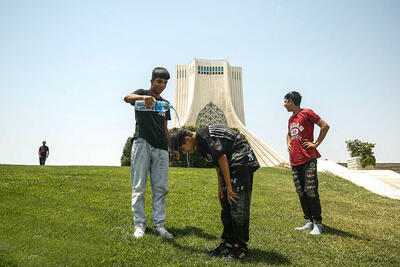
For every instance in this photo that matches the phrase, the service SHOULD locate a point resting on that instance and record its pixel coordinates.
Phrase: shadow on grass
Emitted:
(266, 257)
(255, 255)
(333, 231)
(191, 230)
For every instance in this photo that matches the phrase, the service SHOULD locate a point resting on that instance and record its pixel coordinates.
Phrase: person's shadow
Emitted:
(191, 230)
(333, 231)
(255, 255)
(266, 257)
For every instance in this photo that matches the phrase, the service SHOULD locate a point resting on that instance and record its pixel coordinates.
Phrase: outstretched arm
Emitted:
(324, 130)
(148, 100)
(223, 164)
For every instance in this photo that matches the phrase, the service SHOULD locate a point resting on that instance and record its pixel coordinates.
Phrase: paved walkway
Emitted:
(381, 182)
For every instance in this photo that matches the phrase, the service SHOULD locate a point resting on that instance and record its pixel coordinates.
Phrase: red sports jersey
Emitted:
(301, 126)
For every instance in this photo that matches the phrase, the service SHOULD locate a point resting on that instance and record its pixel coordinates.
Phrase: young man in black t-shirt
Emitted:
(235, 163)
(150, 154)
(43, 153)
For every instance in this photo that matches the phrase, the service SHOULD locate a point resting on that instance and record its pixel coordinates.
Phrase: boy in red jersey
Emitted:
(303, 158)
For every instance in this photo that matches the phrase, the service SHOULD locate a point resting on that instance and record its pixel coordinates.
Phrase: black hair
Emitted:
(294, 96)
(177, 137)
(160, 72)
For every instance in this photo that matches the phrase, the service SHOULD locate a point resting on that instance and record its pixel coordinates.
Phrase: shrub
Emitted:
(363, 150)
(126, 153)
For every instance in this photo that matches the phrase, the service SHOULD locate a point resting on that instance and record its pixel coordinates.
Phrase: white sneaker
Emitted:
(308, 226)
(317, 229)
(161, 231)
(139, 232)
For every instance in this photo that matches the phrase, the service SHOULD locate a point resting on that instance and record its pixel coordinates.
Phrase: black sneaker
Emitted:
(222, 250)
(237, 253)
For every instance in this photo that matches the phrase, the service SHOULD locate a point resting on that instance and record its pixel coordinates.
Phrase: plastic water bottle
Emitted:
(160, 106)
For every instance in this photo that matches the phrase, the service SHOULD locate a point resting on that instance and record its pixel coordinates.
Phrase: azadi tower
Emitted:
(210, 92)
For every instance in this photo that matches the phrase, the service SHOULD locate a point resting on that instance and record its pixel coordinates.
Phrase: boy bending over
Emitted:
(235, 163)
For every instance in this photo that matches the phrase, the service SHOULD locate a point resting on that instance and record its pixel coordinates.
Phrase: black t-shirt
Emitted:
(43, 150)
(214, 141)
(150, 125)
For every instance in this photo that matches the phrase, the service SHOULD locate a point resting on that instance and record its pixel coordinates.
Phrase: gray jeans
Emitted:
(144, 159)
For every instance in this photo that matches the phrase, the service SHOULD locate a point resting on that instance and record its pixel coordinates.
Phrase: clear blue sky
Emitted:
(65, 67)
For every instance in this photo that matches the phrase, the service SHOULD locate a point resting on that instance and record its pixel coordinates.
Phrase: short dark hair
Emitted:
(294, 96)
(160, 72)
(177, 137)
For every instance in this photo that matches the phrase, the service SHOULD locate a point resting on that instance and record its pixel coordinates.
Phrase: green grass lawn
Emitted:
(81, 216)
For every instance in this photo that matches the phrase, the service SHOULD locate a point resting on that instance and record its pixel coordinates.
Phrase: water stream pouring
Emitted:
(180, 126)
(189, 172)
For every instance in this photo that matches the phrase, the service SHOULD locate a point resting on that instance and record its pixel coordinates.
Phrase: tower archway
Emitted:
(211, 114)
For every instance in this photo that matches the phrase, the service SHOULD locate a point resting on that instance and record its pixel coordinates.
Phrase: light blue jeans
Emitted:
(145, 158)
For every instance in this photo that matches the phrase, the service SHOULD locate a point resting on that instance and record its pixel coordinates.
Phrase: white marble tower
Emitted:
(210, 92)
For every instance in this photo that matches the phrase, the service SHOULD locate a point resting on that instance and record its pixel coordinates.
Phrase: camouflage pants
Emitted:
(306, 182)
(235, 217)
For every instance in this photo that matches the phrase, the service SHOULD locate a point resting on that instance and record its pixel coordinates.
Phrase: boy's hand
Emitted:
(289, 146)
(232, 196)
(149, 101)
(307, 144)
(175, 154)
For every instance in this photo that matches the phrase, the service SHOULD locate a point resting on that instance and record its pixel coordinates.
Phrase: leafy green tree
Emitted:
(363, 150)
(126, 153)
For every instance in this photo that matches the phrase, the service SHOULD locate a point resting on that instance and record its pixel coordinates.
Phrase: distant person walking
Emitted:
(43, 153)
(303, 158)
(150, 154)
